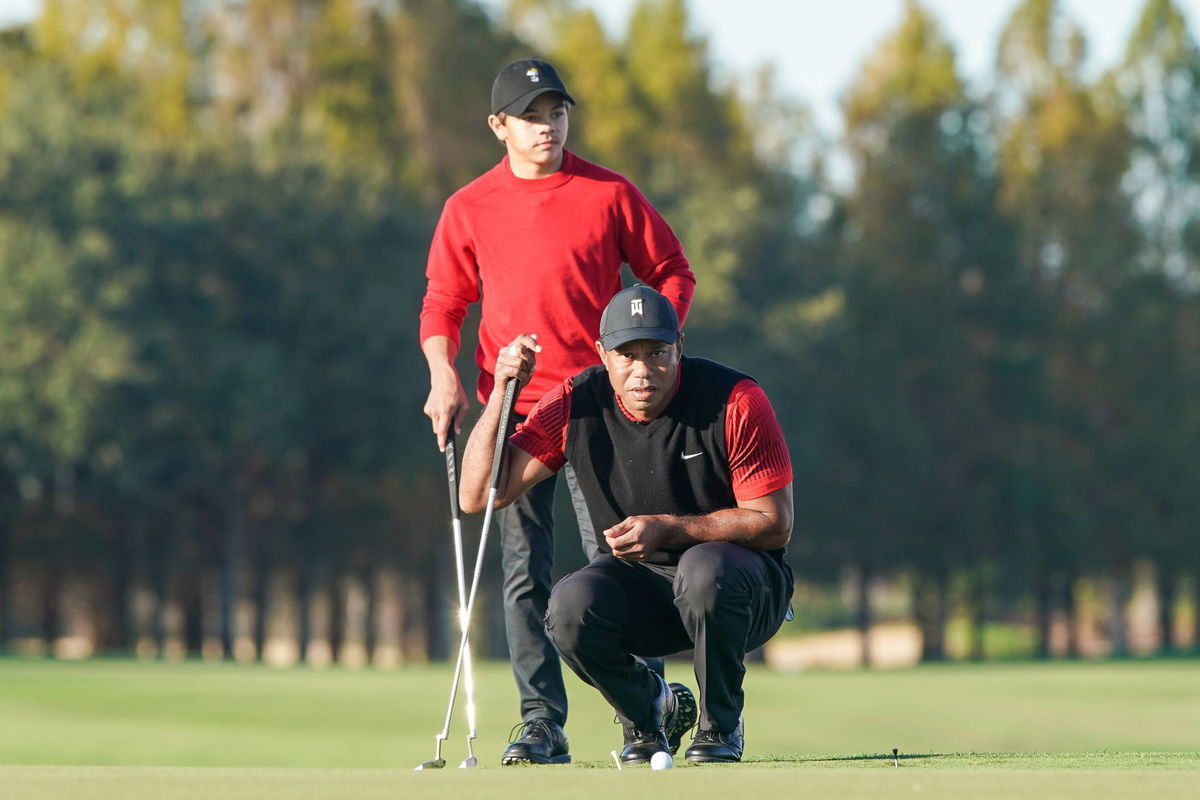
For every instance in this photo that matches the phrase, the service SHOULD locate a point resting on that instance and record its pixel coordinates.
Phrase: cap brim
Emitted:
(519, 105)
(618, 338)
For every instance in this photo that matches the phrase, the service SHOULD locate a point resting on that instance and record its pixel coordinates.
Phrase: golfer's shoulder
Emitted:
(476, 191)
(598, 178)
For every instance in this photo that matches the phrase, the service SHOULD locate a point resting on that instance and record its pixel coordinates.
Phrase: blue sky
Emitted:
(816, 45)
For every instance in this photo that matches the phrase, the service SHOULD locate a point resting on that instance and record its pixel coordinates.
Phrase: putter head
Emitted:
(469, 762)
(433, 763)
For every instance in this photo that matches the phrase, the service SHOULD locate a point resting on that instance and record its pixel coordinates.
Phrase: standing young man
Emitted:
(687, 475)
(543, 234)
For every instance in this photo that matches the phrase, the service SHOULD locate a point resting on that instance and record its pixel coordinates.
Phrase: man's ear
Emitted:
(679, 345)
(600, 351)
(497, 125)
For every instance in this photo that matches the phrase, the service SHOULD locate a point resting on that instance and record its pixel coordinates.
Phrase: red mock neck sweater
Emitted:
(547, 256)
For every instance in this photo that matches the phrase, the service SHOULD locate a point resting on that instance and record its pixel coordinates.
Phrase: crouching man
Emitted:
(686, 472)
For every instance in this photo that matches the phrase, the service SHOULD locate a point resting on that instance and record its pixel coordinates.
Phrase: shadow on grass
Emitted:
(886, 757)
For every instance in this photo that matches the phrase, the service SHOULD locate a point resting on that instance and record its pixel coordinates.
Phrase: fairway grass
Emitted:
(130, 730)
(1004, 778)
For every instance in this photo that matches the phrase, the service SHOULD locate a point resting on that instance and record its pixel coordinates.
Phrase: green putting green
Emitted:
(126, 729)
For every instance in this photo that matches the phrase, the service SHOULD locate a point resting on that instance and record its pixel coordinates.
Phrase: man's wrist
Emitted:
(443, 373)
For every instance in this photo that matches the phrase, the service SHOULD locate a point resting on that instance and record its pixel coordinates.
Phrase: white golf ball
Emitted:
(661, 760)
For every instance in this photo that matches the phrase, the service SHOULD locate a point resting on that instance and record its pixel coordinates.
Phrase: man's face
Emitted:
(643, 373)
(536, 137)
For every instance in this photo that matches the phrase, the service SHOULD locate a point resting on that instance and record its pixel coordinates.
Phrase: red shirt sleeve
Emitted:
(543, 434)
(653, 251)
(758, 455)
(453, 277)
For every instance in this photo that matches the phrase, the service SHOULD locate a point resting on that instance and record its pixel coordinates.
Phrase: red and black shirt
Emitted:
(716, 443)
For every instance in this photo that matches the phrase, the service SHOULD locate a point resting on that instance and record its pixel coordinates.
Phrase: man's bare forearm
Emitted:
(515, 362)
(764, 523)
(752, 529)
(473, 488)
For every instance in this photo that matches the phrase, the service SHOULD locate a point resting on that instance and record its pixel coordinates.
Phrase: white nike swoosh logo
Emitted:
(686, 456)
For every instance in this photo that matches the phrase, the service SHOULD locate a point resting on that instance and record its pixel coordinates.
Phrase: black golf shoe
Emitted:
(674, 712)
(717, 747)
(539, 741)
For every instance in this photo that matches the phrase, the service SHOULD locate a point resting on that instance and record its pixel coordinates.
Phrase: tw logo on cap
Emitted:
(635, 307)
(533, 75)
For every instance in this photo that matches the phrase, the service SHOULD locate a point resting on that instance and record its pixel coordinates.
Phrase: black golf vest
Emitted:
(675, 464)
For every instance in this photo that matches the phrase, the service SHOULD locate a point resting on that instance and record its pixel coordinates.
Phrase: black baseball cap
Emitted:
(638, 312)
(521, 81)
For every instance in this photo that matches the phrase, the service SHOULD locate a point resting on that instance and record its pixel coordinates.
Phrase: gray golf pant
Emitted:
(724, 601)
(527, 559)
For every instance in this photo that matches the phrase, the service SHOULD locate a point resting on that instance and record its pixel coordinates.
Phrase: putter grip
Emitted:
(510, 399)
(452, 472)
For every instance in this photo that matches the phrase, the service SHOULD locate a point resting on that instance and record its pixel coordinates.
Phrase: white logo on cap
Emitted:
(533, 75)
(635, 307)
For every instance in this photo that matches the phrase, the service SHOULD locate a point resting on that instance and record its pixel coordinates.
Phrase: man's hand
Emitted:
(637, 538)
(762, 523)
(516, 360)
(447, 403)
(518, 470)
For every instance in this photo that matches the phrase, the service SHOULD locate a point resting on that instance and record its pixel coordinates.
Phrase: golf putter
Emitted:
(510, 397)
(437, 762)
(456, 520)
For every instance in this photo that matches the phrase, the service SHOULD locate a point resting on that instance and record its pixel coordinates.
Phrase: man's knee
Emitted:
(572, 600)
(709, 574)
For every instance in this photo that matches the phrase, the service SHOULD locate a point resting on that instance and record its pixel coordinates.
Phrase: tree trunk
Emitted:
(941, 609)
(1042, 612)
(6, 593)
(232, 563)
(978, 617)
(262, 598)
(1120, 604)
(1195, 613)
(160, 577)
(193, 614)
(51, 616)
(337, 618)
(122, 626)
(1165, 587)
(931, 614)
(862, 612)
(436, 621)
(1071, 609)
(304, 601)
(370, 587)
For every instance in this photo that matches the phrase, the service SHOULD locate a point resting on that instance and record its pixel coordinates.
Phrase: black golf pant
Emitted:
(724, 600)
(527, 559)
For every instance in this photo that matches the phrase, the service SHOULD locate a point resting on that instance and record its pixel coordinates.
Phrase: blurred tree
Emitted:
(147, 41)
(650, 109)
(62, 351)
(925, 256)
(1061, 158)
(445, 54)
(1158, 89)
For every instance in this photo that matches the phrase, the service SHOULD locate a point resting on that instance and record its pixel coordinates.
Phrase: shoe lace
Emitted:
(634, 736)
(534, 729)
(709, 737)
